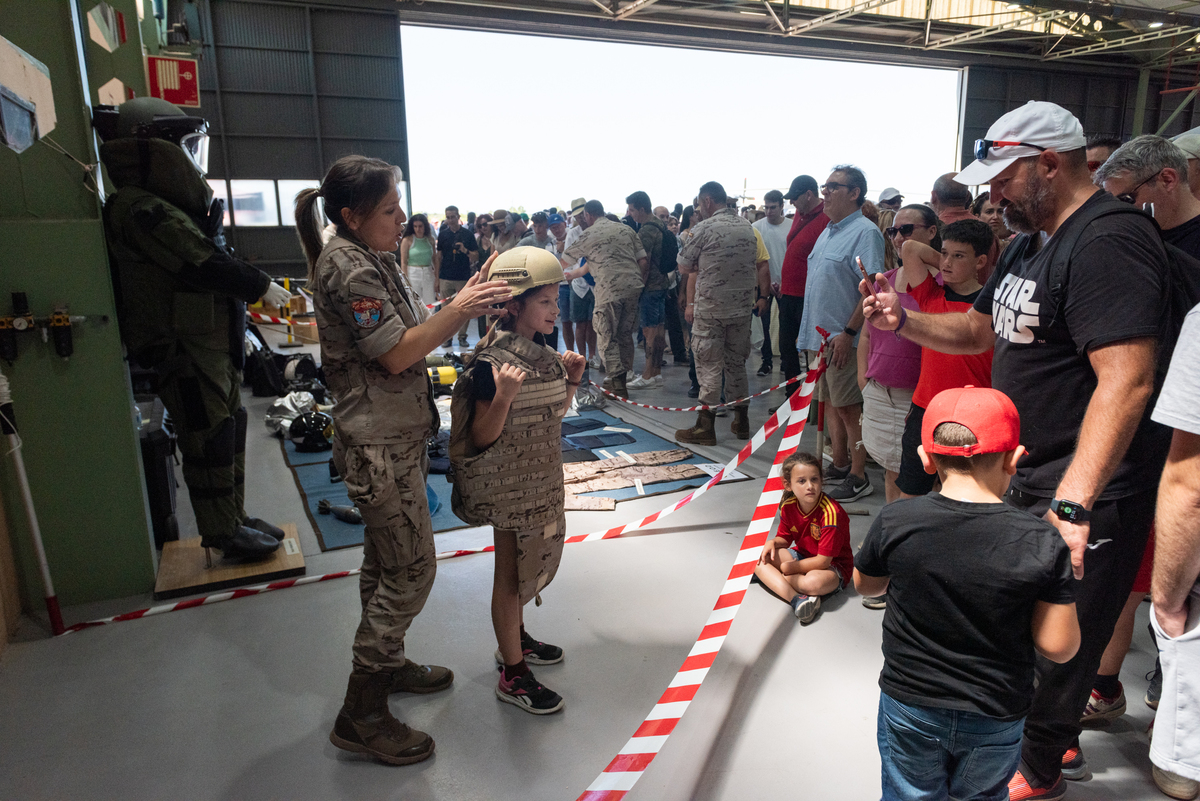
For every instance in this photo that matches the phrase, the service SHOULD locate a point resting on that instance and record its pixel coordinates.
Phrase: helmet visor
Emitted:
(196, 147)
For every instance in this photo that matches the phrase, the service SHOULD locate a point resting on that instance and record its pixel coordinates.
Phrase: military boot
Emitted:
(702, 433)
(415, 678)
(365, 724)
(619, 387)
(244, 544)
(741, 422)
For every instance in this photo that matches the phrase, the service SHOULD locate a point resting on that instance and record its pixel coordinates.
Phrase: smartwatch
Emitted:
(850, 332)
(1070, 511)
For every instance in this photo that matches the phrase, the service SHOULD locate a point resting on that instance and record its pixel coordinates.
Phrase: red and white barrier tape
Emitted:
(648, 739)
(242, 592)
(266, 318)
(760, 437)
(726, 405)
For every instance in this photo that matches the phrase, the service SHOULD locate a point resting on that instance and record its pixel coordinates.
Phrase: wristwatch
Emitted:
(1070, 511)
(850, 332)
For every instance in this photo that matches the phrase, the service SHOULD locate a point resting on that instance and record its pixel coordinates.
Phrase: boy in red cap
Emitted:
(975, 587)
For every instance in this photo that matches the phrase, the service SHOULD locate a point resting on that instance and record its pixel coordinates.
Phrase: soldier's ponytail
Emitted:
(356, 183)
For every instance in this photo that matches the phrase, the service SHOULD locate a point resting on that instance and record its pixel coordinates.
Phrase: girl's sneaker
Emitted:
(806, 607)
(527, 693)
(535, 652)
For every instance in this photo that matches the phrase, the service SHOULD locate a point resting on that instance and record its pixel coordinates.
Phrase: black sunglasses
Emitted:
(903, 230)
(1131, 196)
(982, 146)
(832, 186)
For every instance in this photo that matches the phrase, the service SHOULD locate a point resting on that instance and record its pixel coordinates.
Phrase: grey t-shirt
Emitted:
(1177, 406)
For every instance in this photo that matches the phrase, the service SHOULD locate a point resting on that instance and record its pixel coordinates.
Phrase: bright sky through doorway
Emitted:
(499, 121)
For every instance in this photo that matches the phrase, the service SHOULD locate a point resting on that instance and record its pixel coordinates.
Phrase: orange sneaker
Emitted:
(1021, 789)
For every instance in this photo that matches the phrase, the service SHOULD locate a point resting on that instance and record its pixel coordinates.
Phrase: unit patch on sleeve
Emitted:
(367, 311)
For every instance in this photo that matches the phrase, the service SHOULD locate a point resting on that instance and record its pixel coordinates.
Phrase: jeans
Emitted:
(931, 754)
(765, 320)
(791, 312)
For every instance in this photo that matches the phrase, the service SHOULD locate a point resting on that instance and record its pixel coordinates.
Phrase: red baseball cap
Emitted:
(988, 413)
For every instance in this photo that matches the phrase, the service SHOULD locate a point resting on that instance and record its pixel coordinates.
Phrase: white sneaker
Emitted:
(594, 363)
(639, 383)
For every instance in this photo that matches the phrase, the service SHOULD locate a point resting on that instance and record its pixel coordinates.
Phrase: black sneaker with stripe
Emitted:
(527, 693)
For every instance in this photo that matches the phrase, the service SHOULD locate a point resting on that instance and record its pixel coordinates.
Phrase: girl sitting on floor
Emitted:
(810, 555)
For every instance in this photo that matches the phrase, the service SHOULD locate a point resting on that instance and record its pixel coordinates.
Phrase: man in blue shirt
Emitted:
(832, 302)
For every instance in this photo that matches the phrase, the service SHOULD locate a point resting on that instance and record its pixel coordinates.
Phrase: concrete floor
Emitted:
(235, 700)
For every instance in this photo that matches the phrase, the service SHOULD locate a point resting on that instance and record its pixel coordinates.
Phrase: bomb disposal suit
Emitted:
(181, 303)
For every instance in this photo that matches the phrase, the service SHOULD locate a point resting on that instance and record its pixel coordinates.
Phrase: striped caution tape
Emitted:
(266, 318)
(623, 772)
(208, 600)
(798, 401)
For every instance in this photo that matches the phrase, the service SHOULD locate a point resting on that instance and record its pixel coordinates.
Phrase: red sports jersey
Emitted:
(825, 531)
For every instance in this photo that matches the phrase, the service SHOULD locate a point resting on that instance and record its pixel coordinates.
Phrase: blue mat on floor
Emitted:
(314, 484)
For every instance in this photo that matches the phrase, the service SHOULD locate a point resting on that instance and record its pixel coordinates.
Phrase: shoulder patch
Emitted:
(367, 311)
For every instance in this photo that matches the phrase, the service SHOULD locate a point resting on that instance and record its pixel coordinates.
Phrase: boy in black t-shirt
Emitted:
(974, 588)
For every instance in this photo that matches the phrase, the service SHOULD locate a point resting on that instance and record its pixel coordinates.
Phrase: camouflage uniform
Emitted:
(516, 484)
(723, 249)
(181, 302)
(612, 251)
(381, 424)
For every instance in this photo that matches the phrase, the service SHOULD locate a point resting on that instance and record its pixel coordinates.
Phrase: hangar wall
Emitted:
(288, 88)
(75, 415)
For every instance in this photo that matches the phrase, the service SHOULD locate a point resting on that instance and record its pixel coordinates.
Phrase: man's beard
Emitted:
(1034, 209)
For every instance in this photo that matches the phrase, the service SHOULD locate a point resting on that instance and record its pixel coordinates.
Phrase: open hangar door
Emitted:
(291, 85)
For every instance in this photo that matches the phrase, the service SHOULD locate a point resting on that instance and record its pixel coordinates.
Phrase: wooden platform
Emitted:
(181, 569)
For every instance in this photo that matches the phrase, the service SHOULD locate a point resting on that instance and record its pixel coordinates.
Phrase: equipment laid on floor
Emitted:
(183, 569)
(158, 463)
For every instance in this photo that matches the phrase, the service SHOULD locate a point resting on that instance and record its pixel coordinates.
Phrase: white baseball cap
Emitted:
(891, 193)
(1026, 131)
(1189, 143)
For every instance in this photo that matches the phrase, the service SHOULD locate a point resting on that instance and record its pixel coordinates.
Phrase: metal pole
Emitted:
(1188, 99)
(1139, 105)
(9, 426)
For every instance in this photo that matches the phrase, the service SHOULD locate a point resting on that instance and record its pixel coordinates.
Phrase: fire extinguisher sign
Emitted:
(176, 80)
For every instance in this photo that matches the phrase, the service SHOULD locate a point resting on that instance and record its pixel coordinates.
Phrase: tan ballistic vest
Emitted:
(373, 407)
(517, 483)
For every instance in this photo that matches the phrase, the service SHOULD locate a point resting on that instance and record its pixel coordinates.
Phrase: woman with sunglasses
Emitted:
(914, 221)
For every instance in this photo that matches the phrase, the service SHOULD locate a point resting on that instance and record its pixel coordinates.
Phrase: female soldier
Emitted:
(374, 335)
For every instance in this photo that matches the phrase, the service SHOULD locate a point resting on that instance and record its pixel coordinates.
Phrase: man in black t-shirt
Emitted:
(459, 252)
(1151, 172)
(1080, 364)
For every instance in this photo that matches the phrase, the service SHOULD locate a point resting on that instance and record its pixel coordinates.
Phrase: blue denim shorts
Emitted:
(564, 303)
(652, 308)
(933, 753)
(842, 580)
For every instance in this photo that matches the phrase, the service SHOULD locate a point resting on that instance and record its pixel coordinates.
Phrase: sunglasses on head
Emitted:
(903, 230)
(982, 146)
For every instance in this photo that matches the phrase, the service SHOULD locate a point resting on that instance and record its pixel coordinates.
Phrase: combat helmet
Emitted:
(526, 268)
(155, 118)
(312, 432)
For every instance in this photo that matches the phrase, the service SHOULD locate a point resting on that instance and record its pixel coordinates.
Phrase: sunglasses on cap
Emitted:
(982, 146)
(903, 230)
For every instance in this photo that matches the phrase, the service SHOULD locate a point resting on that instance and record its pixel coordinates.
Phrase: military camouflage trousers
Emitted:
(387, 483)
(614, 322)
(721, 348)
(539, 550)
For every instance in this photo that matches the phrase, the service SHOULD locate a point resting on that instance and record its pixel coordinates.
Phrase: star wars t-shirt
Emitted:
(1114, 290)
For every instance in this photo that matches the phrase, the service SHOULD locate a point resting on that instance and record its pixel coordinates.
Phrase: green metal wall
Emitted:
(75, 416)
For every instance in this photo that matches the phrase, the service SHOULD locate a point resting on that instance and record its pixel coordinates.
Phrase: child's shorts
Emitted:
(842, 580)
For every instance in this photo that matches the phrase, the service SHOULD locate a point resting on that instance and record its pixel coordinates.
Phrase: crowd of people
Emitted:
(1017, 362)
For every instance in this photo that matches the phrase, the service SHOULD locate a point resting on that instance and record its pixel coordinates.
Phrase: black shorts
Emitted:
(913, 480)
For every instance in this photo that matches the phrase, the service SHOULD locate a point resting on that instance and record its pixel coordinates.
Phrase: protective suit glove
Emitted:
(276, 295)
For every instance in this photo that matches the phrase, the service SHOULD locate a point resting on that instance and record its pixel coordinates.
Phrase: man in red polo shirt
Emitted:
(807, 224)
